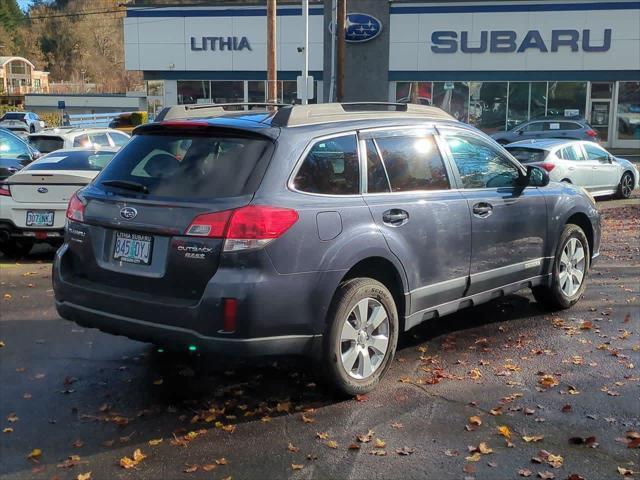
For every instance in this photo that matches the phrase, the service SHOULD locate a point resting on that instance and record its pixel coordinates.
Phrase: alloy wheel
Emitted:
(572, 267)
(364, 338)
(626, 185)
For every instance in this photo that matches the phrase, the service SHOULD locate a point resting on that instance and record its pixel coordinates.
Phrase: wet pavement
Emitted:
(504, 390)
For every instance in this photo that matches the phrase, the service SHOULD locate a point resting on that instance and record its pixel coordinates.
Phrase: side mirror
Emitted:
(537, 177)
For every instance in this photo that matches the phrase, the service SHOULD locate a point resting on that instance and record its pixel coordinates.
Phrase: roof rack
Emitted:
(298, 115)
(205, 110)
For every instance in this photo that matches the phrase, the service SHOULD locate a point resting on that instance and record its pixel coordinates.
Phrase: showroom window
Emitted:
(194, 91)
(567, 99)
(488, 108)
(452, 97)
(629, 111)
(518, 110)
(227, 91)
(256, 91)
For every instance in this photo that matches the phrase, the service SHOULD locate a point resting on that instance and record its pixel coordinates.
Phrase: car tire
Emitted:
(16, 248)
(352, 360)
(625, 187)
(562, 293)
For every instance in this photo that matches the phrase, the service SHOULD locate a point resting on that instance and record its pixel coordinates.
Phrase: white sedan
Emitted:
(582, 163)
(33, 201)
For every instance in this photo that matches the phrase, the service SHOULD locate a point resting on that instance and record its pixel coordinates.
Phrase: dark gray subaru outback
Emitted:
(321, 230)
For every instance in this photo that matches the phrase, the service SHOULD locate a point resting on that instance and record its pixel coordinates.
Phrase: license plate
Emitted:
(37, 218)
(133, 248)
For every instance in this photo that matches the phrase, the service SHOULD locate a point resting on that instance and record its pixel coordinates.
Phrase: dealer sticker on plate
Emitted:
(133, 248)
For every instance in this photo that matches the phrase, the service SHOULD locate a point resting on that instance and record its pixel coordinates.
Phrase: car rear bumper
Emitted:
(173, 336)
(9, 230)
(13, 220)
(276, 314)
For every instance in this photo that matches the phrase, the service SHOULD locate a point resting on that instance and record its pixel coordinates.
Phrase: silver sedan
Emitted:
(582, 163)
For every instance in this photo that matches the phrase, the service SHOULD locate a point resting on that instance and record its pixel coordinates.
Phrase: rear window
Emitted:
(191, 165)
(90, 160)
(527, 154)
(13, 116)
(46, 144)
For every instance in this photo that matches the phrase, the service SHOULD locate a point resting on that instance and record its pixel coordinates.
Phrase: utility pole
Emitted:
(340, 35)
(272, 73)
(305, 69)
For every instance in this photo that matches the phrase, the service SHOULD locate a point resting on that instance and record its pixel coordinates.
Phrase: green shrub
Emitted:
(138, 118)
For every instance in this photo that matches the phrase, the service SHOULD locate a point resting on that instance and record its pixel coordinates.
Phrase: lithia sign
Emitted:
(220, 44)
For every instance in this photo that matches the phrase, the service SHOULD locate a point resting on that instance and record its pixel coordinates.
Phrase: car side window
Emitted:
(99, 140)
(81, 141)
(118, 139)
(596, 153)
(552, 126)
(532, 127)
(570, 126)
(377, 181)
(331, 168)
(413, 163)
(480, 165)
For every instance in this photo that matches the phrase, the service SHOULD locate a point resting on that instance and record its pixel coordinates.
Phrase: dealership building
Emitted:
(492, 63)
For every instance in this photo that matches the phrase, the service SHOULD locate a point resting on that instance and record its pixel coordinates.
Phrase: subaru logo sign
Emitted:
(43, 189)
(128, 213)
(361, 27)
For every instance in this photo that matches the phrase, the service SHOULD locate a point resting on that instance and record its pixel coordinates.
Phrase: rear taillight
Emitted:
(5, 191)
(547, 166)
(592, 133)
(75, 209)
(248, 227)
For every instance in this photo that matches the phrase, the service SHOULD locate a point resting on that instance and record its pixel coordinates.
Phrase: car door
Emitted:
(508, 221)
(605, 173)
(531, 130)
(424, 221)
(578, 169)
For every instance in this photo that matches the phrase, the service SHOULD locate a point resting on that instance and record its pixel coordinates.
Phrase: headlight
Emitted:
(589, 196)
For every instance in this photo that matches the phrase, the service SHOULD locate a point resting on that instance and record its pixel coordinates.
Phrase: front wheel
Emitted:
(570, 268)
(625, 187)
(361, 337)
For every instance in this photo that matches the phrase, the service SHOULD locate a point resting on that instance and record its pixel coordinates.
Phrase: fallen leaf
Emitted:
(322, 435)
(397, 425)
(354, 446)
(496, 411)
(78, 443)
(158, 381)
(293, 448)
(13, 418)
(221, 461)
(332, 444)
(555, 460)
(190, 468)
(35, 454)
(504, 431)
(473, 458)
(379, 453)
(546, 475)
(307, 419)
(524, 472)
(484, 449)
(283, 407)
(566, 408)
(548, 381)
(575, 476)
(155, 442)
(451, 453)
(84, 476)
(404, 451)
(365, 438)
(361, 398)
(7, 430)
(380, 443)
(532, 438)
(475, 420)
(296, 466)
(625, 472)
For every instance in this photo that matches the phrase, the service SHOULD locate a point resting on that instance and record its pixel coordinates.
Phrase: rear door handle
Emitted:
(482, 209)
(395, 217)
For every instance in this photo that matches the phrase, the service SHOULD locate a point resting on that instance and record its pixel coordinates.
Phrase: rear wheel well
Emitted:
(385, 272)
(581, 220)
(566, 180)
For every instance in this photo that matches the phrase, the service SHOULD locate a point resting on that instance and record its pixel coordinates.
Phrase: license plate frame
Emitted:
(29, 220)
(136, 254)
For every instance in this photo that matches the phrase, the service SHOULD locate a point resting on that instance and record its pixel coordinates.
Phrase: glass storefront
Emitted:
(495, 106)
(194, 91)
(628, 112)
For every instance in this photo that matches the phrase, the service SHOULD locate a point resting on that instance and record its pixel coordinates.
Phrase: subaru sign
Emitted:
(361, 27)
(507, 41)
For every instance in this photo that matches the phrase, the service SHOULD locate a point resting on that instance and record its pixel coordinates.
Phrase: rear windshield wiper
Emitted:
(126, 184)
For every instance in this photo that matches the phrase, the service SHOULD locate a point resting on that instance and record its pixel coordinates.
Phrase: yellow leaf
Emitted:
(475, 420)
(532, 438)
(7, 430)
(127, 463)
(504, 431)
(548, 381)
(322, 435)
(484, 449)
(283, 407)
(7, 296)
(138, 456)
(380, 443)
(1, 344)
(208, 467)
(35, 453)
(473, 458)
(155, 442)
(221, 461)
(332, 444)
(292, 448)
(84, 476)
(555, 460)
(295, 466)
(229, 428)
(306, 419)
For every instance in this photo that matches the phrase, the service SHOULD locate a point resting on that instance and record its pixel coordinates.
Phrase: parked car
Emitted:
(581, 163)
(34, 200)
(22, 120)
(314, 230)
(567, 128)
(58, 138)
(15, 153)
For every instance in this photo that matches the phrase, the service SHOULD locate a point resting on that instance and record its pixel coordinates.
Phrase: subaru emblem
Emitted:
(43, 189)
(361, 27)
(128, 213)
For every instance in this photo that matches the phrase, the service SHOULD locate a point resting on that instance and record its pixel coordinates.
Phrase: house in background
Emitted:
(19, 76)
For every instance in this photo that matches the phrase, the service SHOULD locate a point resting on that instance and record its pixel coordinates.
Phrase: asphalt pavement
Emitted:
(501, 391)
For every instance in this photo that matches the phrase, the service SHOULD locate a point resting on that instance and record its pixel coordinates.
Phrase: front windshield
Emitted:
(12, 147)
